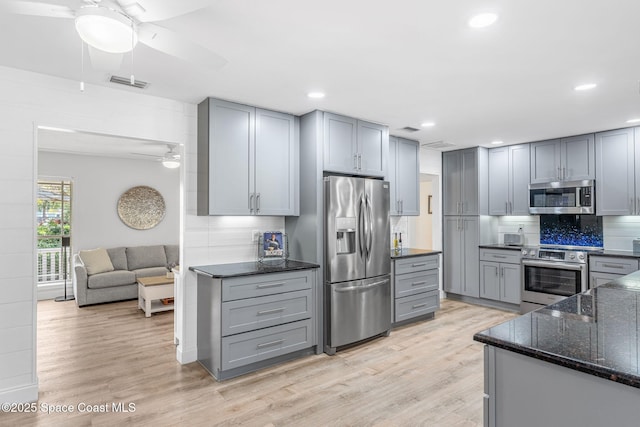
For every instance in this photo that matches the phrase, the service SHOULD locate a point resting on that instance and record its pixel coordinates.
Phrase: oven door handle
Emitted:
(555, 265)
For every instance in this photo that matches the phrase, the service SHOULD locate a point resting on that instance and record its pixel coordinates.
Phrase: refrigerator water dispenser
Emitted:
(345, 235)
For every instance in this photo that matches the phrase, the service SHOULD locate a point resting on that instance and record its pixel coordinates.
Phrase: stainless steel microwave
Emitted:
(568, 197)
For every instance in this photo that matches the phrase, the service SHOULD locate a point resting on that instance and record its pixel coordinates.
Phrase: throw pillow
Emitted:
(96, 261)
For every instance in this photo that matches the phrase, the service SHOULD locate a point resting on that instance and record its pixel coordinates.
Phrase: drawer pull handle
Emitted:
(273, 310)
(499, 256)
(270, 285)
(269, 344)
(424, 282)
(419, 265)
(613, 265)
(418, 305)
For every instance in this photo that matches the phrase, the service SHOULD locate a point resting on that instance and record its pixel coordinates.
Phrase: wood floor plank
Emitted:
(428, 373)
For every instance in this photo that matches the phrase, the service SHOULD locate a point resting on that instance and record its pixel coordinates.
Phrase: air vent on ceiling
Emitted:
(127, 82)
(409, 129)
(437, 145)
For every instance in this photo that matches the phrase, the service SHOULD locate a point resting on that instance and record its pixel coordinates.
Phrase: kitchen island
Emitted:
(573, 363)
(252, 315)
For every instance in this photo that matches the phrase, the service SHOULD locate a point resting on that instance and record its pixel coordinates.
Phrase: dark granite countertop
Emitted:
(411, 252)
(501, 246)
(251, 268)
(616, 253)
(596, 332)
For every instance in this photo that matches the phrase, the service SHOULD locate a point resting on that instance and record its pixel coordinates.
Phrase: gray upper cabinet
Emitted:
(247, 160)
(354, 146)
(616, 186)
(465, 181)
(509, 180)
(566, 159)
(404, 169)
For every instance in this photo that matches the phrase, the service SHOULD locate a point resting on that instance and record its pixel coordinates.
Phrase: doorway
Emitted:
(425, 229)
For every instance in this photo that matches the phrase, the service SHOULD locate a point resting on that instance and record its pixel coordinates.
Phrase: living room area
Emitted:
(118, 219)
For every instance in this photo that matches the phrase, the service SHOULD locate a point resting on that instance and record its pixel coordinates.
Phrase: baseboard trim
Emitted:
(188, 356)
(23, 394)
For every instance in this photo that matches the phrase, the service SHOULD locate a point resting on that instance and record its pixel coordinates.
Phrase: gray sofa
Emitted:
(128, 265)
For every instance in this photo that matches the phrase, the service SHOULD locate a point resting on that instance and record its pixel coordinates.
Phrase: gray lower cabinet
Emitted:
(460, 255)
(248, 160)
(415, 287)
(404, 170)
(604, 269)
(248, 322)
(500, 275)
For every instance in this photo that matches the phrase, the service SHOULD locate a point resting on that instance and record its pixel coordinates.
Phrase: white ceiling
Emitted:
(395, 62)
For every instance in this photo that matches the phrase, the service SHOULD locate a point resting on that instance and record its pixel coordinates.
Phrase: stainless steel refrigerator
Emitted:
(357, 260)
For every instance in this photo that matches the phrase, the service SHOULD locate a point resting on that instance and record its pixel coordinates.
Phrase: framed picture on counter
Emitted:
(273, 245)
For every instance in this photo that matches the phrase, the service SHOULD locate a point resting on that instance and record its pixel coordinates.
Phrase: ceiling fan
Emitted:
(116, 26)
(170, 159)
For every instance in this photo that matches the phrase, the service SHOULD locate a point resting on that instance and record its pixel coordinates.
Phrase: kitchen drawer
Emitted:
(250, 347)
(614, 265)
(415, 283)
(265, 284)
(417, 305)
(255, 313)
(413, 264)
(497, 255)
(597, 278)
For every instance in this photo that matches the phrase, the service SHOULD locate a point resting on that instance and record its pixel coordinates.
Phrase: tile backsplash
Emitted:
(619, 232)
(511, 224)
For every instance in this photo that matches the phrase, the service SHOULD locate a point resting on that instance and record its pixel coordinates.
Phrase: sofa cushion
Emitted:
(96, 261)
(111, 279)
(146, 256)
(173, 254)
(150, 271)
(118, 258)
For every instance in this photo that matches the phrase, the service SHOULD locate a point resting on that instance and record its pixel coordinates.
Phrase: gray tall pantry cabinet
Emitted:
(247, 160)
(465, 198)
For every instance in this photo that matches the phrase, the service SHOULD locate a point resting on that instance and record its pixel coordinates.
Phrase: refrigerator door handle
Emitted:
(361, 227)
(370, 221)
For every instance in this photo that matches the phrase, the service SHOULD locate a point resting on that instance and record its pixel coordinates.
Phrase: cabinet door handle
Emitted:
(496, 271)
(510, 208)
(637, 205)
(273, 310)
(564, 173)
(501, 271)
(558, 173)
(269, 285)
(359, 161)
(269, 344)
(251, 203)
(422, 264)
(401, 206)
(418, 305)
(257, 202)
(499, 256)
(613, 265)
(355, 161)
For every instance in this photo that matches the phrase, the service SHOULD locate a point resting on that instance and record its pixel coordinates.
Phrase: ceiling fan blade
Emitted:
(159, 10)
(104, 61)
(37, 9)
(171, 43)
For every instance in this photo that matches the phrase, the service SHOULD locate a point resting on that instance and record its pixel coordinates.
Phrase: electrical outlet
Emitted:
(521, 226)
(255, 235)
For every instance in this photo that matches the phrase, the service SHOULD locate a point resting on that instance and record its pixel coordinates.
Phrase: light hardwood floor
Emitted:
(429, 373)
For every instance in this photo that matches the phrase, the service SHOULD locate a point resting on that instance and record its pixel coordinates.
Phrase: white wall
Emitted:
(28, 100)
(431, 164)
(98, 183)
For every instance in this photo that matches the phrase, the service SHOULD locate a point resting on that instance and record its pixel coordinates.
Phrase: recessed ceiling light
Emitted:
(483, 20)
(427, 124)
(585, 86)
(633, 121)
(497, 142)
(316, 95)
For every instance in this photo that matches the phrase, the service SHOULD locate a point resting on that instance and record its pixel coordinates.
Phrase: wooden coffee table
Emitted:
(151, 290)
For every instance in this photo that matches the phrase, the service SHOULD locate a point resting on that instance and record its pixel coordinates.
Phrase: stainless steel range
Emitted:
(551, 274)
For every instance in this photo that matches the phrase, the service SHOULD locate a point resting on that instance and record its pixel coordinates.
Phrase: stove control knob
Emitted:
(532, 252)
(581, 256)
(524, 252)
(572, 256)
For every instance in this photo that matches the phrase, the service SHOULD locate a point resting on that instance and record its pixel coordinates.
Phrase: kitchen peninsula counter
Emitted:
(578, 359)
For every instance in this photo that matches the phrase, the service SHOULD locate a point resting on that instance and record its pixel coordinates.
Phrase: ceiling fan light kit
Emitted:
(106, 29)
